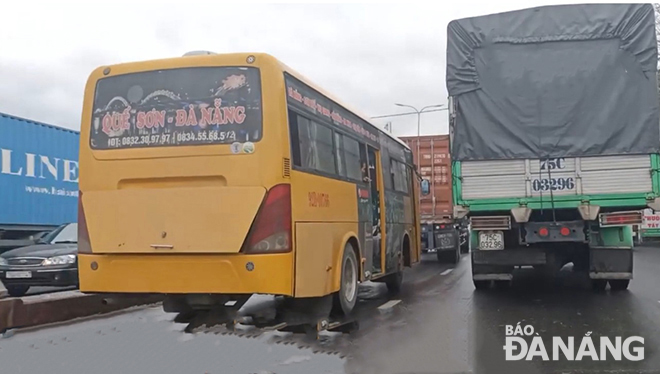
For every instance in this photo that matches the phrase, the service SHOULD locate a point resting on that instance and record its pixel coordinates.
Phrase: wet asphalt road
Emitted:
(441, 325)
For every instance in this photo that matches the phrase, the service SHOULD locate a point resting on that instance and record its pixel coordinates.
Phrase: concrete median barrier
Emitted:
(31, 311)
(9, 308)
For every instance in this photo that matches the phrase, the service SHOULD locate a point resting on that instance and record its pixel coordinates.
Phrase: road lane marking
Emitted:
(388, 305)
(446, 271)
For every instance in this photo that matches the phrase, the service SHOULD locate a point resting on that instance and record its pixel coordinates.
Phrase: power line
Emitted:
(408, 113)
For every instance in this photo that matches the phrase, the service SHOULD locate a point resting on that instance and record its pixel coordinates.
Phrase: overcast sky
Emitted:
(369, 55)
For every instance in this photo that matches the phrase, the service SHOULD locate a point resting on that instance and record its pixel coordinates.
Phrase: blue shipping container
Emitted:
(38, 173)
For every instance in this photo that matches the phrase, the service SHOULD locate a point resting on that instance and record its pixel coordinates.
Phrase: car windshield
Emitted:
(63, 234)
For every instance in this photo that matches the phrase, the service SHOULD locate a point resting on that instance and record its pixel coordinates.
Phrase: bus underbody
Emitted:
(600, 248)
(227, 313)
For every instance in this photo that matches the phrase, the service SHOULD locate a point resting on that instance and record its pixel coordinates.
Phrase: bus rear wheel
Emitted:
(394, 281)
(346, 299)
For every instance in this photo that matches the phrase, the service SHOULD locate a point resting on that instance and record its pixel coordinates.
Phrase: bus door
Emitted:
(376, 209)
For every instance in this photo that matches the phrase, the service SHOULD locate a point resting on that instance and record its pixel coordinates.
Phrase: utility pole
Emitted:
(419, 121)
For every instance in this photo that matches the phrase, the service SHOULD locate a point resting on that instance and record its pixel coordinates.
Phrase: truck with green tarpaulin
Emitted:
(554, 137)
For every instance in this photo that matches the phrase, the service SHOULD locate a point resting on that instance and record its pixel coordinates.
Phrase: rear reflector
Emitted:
(565, 231)
(621, 218)
(491, 223)
(543, 231)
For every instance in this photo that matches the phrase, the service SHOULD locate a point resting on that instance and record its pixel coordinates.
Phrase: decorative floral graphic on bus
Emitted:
(183, 107)
(232, 82)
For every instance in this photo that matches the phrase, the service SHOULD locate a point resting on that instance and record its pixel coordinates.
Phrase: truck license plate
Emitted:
(489, 240)
(19, 274)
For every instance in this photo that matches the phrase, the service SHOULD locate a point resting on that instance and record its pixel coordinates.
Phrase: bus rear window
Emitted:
(177, 107)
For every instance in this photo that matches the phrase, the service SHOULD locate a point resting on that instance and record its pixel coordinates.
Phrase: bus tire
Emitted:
(394, 281)
(346, 298)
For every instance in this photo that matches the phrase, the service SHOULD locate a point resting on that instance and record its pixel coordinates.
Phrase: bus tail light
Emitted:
(83, 233)
(271, 229)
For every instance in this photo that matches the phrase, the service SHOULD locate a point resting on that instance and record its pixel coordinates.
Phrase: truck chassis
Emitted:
(603, 250)
(446, 240)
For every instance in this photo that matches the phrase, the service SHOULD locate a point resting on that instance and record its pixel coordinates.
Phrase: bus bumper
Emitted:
(187, 274)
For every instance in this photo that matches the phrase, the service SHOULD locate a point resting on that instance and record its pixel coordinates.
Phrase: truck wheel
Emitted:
(598, 284)
(17, 291)
(455, 255)
(346, 298)
(619, 284)
(502, 284)
(481, 284)
(465, 247)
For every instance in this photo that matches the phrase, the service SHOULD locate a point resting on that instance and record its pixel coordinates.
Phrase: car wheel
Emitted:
(346, 298)
(17, 291)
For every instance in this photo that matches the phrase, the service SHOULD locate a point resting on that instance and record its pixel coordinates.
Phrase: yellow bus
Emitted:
(212, 177)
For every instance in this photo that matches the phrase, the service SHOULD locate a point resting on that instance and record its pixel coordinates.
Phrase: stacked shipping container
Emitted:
(440, 232)
(434, 165)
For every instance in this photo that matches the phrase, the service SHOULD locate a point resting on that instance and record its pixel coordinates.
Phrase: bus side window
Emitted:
(409, 182)
(316, 146)
(311, 144)
(386, 171)
(399, 178)
(353, 158)
(393, 175)
(295, 140)
(363, 162)
(339, 154)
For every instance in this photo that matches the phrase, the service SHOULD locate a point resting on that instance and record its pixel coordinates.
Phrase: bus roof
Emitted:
(283, 67)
